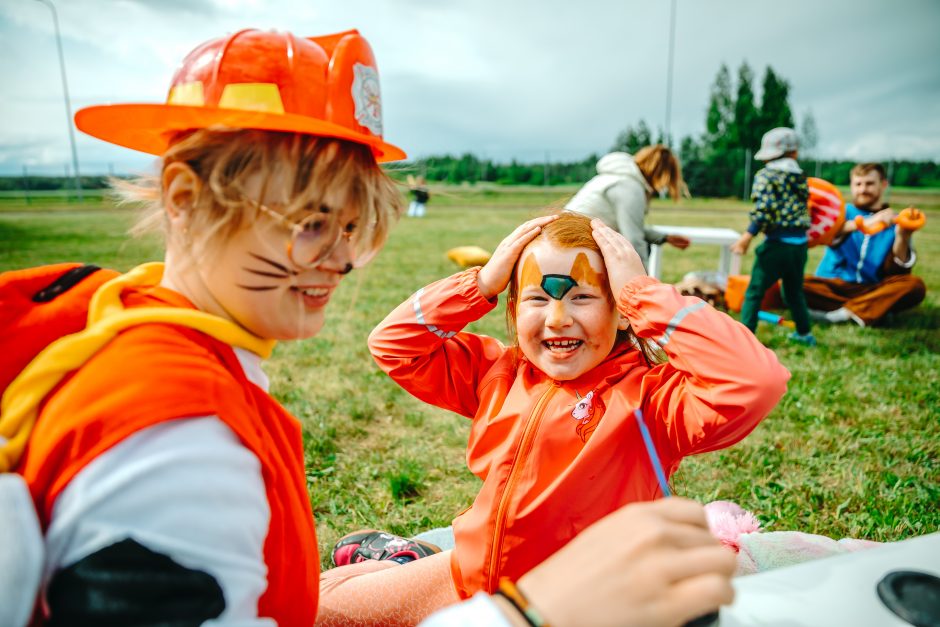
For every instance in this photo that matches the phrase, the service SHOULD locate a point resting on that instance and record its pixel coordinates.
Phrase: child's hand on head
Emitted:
(494, 276)
(622, 261)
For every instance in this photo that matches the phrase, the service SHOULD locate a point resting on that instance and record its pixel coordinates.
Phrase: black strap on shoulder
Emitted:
(127, 583)
(65, 282)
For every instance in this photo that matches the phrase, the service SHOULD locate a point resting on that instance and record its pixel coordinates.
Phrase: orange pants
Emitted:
(870, 302)
(377, 592)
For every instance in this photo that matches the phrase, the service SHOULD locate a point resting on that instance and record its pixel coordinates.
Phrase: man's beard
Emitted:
(873, 202)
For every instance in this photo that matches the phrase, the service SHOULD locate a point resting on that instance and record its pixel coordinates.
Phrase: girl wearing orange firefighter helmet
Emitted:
(169, 485)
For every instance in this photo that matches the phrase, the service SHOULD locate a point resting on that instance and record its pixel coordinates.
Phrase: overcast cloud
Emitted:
(503, 79)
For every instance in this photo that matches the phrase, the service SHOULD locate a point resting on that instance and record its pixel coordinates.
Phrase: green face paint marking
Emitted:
(557, 285)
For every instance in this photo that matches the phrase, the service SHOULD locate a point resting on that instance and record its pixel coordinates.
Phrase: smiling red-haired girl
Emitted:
(553, 435)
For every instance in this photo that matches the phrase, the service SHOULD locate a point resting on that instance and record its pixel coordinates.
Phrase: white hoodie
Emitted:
(619, 195)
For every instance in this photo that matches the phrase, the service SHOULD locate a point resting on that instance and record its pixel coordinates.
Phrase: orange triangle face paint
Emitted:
(531, 273)
(582, 272)
(557, 285)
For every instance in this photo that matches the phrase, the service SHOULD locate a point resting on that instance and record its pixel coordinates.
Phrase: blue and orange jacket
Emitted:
(555, 456)
(860, 258)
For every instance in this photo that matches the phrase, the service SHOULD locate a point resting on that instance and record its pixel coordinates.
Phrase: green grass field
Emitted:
(852, 450)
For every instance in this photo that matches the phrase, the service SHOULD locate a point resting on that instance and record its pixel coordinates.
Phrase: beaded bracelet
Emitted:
(509, 591)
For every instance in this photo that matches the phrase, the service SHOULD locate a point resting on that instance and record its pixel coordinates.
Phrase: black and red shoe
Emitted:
(370, 544)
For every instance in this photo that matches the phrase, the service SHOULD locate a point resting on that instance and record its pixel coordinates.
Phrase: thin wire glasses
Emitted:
(314, 238)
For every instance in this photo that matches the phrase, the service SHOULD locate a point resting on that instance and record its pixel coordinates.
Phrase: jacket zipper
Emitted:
(528, 433)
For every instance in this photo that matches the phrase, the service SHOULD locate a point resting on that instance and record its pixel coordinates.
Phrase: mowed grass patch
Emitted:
(94, 232)
(852, 450)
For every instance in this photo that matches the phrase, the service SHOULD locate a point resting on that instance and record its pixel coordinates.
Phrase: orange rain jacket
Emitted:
(555, 456)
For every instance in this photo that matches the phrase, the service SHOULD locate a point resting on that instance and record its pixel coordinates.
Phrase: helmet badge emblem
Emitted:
(367, 98)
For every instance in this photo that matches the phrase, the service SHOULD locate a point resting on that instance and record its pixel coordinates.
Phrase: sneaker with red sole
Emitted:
(370, 544)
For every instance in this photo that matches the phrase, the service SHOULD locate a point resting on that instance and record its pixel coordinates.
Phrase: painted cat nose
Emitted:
(558, 315)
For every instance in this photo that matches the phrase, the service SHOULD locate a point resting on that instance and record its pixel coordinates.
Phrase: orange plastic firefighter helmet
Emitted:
(266, 80)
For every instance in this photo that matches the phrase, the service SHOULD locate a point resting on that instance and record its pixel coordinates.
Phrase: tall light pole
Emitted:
(672, 46)
(65, 92)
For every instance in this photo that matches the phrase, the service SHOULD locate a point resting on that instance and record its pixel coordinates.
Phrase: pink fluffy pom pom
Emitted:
(727, 521)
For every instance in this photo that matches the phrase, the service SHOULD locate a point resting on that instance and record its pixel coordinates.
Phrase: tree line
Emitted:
(470, 169)
(718, 163)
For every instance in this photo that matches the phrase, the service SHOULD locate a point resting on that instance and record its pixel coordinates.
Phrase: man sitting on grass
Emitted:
(863, 277)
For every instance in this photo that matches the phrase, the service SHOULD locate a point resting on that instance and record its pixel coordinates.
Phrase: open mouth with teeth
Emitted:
(562, 346)
(313, 297)
(313, 292)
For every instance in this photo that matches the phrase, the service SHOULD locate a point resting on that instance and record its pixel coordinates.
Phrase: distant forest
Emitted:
(718, 163)
(700, 176)
(470, 169)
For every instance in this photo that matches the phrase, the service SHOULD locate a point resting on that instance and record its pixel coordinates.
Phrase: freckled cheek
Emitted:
(604, 335)
(528, 321)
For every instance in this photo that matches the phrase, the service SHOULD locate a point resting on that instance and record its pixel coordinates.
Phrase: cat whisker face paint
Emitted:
(271, 275)
(281, 272)
(251, 277)
(566, 322)
(284, 270)
(258, 288)
(246, 273)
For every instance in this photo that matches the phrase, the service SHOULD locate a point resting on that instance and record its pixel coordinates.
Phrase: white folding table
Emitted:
(728, 262)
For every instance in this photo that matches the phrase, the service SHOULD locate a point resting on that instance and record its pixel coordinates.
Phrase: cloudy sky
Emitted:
(501, 78)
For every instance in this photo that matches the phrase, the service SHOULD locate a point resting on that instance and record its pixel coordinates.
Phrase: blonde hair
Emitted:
(573, 230)
(861, 169)
(661, 169)
(321, 171)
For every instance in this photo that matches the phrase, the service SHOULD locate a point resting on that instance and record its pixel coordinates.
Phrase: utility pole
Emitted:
(26, 183)
(672, 46)
(68, 105)
(747, 174)
(545, 169)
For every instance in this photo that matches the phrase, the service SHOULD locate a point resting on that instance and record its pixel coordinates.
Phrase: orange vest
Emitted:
(154, 373)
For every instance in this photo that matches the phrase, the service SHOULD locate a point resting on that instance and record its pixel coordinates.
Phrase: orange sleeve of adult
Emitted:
(719, 382)
(422, 347)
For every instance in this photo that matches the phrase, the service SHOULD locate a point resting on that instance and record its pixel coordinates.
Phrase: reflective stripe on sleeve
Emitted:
(677, 319)
(420, 317)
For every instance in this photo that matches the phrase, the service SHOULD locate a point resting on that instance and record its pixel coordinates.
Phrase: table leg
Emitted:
(655, 258)
(724, 260)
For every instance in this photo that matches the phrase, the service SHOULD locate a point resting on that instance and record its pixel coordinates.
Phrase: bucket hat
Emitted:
(777, 142)
(266, 80)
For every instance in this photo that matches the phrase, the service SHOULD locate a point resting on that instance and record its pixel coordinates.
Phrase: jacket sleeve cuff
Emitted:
(907, 265)
(469, 288)
(629, 293)
(656, 237)
(753, 228)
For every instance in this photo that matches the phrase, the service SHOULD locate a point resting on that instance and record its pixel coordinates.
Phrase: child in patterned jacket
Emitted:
(780, 195)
